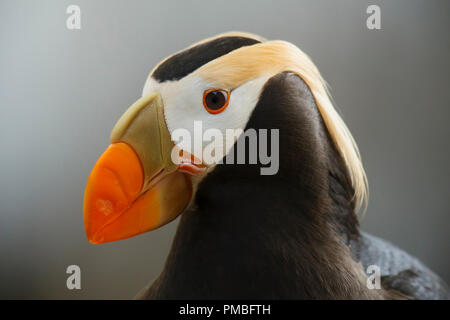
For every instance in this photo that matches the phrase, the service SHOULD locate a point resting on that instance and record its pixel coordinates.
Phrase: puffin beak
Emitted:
(134, 186)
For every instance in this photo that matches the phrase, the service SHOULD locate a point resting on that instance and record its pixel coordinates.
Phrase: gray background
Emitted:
(61, 91)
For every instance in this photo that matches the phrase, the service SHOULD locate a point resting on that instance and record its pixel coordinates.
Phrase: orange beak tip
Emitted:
(114, 183)
(115, 206)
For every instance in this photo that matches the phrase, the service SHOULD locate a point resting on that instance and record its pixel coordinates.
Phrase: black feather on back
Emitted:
(399, 270)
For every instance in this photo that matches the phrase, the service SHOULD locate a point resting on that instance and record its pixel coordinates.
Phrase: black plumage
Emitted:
(183, 63)
(293, 235)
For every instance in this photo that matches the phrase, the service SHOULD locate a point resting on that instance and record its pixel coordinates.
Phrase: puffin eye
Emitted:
(215, 100)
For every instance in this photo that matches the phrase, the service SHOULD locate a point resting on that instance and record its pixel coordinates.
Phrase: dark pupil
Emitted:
(215, 100)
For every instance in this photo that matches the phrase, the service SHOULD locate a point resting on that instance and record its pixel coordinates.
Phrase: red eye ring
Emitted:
(219, 104)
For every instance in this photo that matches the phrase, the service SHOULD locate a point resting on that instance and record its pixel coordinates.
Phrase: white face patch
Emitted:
(184, 109)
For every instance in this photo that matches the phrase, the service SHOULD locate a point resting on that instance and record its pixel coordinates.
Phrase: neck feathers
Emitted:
(283, 236)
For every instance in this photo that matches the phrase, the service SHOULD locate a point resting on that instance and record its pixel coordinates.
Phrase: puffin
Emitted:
(251, 229)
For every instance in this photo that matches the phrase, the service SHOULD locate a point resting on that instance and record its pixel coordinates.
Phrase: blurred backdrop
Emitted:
(61, 91)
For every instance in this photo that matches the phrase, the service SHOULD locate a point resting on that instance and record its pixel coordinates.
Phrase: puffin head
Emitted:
(151, 171)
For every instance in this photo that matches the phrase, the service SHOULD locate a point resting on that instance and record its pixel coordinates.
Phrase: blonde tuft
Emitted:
(272, 57)
(269, 58)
